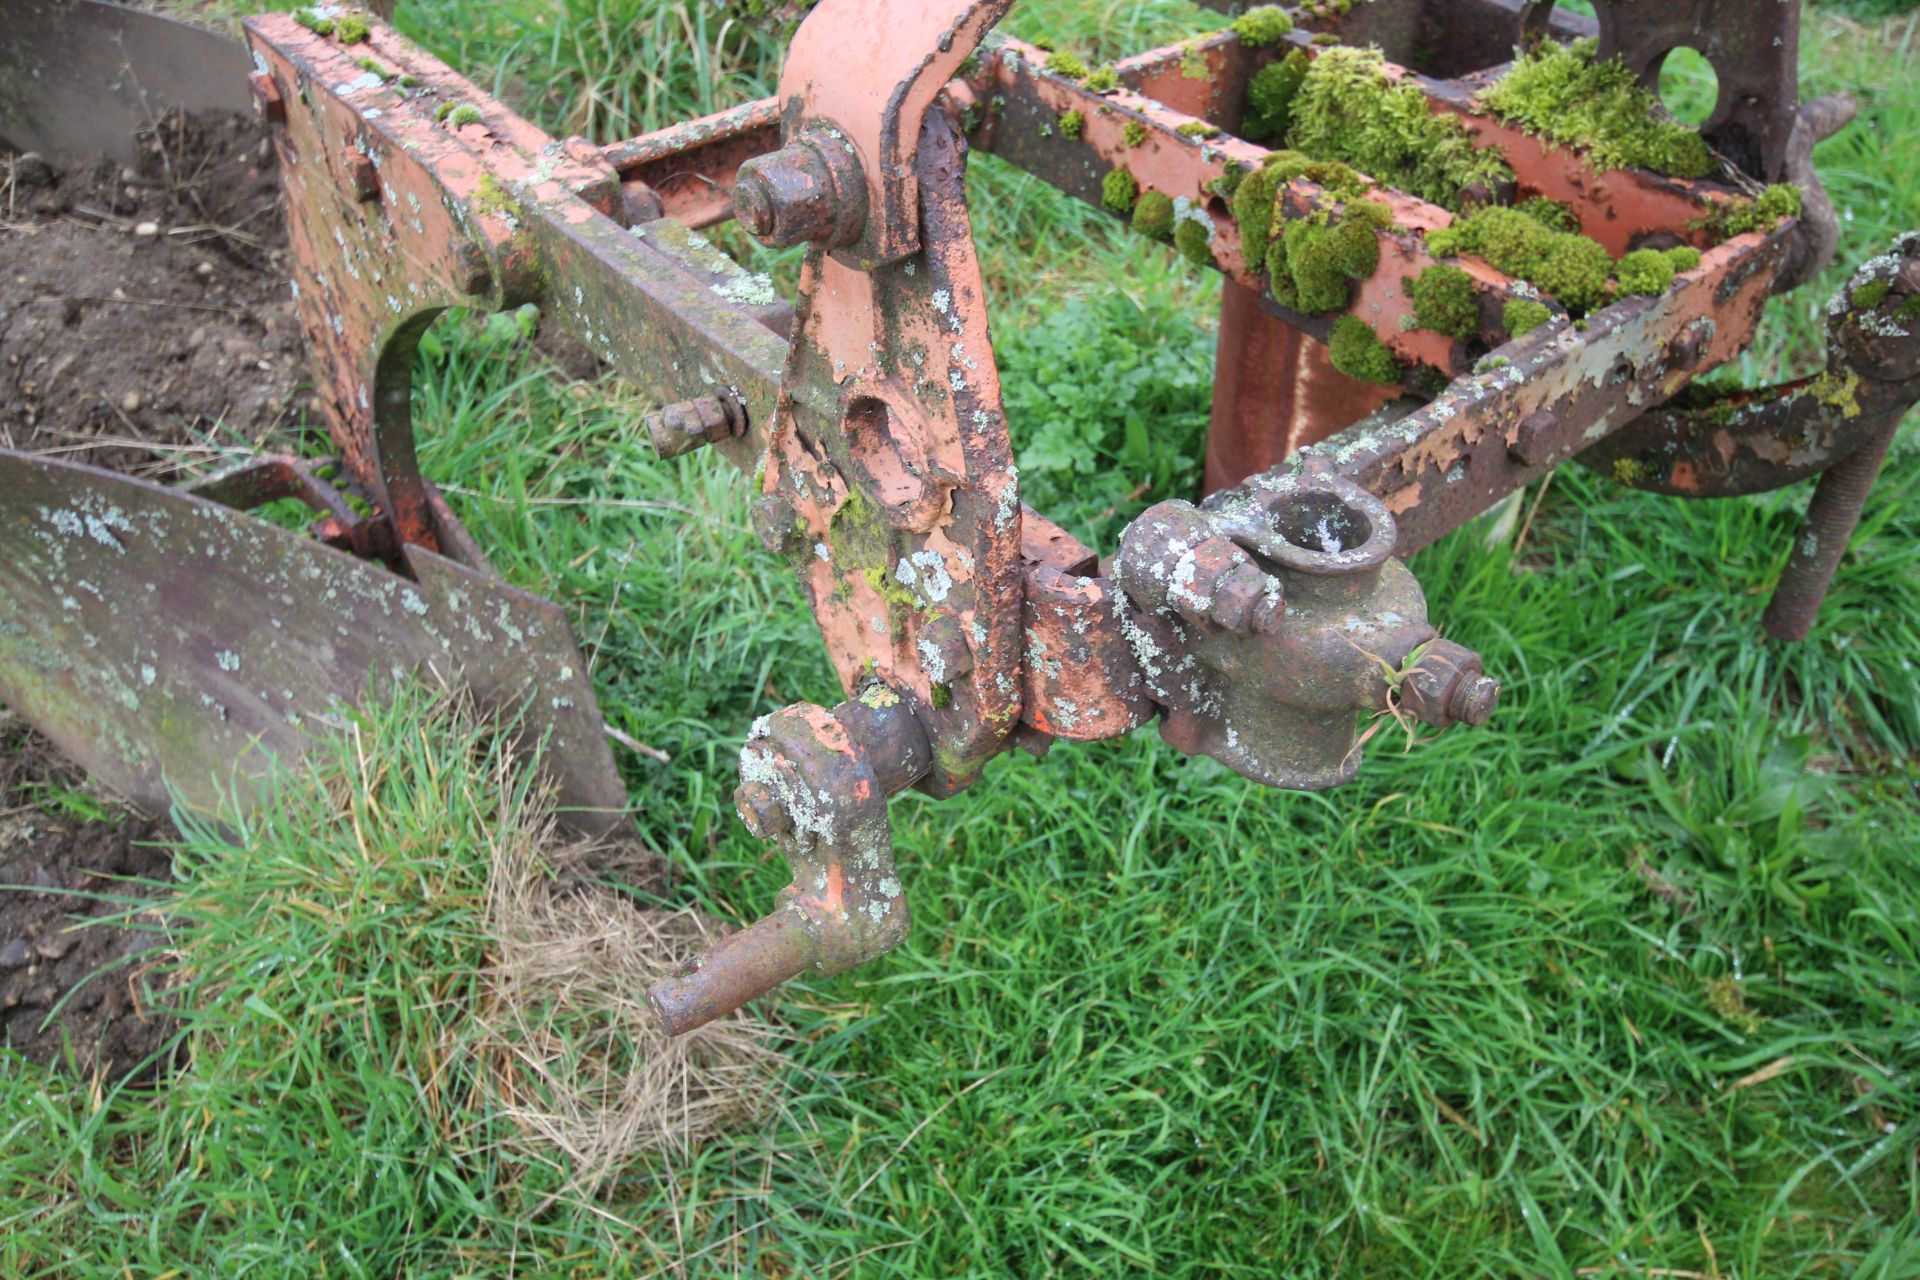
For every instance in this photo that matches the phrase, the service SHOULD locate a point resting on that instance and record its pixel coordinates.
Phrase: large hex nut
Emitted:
(810, 191)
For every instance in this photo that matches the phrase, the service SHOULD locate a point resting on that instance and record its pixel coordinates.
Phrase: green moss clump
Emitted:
(444, 110)
(1253, 209)
(1627, 471)
(1872, 293)
(1646, 272)
(1105, 80)
(1071, 124)
(1311, 264)
(1358, 352)
(409, 82)
(1908, 310)
(1349, 109)
(1197, 129)
(1262, 26)
(1153, 215)
(1323, 260)
(1684, 257)
(1193, 64)
(1554, 215)
(1193, 237)
(1066, 64)
(1572, 268)
(314, 22)
(463, 115)
(1270, 96)
(1133, 133)
(1227, 185)
(369, 65)
(1118, 191)
(1561, 93)
(1524, 315)
(1373, 213)
(1280, 275)
(1332, 177)
(352, 29)
(1443, 301)
(1740, 215)
(1576, 271)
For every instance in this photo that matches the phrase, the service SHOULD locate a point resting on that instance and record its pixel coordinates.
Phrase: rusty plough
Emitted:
(1399, 351)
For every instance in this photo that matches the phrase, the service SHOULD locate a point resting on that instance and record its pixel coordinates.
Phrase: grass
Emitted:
(1622, 985)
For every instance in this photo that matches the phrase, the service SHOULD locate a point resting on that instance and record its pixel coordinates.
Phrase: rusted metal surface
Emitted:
(890, 461)
(1555, 393)
(690, 168)
(815, 782)
(1749, 441)
(1266, 619)
(176, 647)
(905, 54)
(1274, 391)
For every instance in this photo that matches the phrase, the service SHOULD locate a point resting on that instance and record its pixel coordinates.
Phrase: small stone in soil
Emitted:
(147, 229)
(15, 954)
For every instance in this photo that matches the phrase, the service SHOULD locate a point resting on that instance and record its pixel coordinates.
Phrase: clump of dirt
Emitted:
(145, 316)
(67, 982)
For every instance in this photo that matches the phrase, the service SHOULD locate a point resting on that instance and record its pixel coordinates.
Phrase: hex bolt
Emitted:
(363, 176)
(944, 652)
(476, 273)
(776, 523)
(1447, 687)
(800, 194)
(1689, 345)
(686, 426)
(1245, 599)
(761, 810)
(268, 102)
(1531, 438)
(1269, 614)
(1474, 699)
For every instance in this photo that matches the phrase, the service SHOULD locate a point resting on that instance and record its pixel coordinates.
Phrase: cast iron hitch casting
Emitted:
(1257, 625)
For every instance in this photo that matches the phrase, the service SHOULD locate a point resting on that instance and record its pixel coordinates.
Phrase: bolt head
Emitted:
(753, 204)
(268, 102)
(1240, 597)
(774, 523)
(686, 426)
(1474, 699)
(363, 176)
(761, 810)
(800, 194)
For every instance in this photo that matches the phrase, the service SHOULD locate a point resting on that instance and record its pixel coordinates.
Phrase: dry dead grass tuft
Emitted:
(576, 1059)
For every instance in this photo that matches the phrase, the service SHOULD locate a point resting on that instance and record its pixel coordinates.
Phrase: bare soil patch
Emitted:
(145, 323)
(69, 984)
(145, 316)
